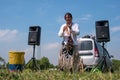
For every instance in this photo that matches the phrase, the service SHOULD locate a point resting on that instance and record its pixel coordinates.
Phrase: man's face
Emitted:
(68, 19)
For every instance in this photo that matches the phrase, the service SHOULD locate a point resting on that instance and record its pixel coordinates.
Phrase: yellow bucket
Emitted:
(16, 57)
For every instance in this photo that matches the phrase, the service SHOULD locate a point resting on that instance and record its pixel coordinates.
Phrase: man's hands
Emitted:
(67, 26)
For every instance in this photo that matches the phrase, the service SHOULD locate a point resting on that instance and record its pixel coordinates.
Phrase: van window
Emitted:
(85, 45)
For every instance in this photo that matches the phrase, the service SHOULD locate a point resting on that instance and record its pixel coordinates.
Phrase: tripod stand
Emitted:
(104, 66)
(102, 62)
(33, 61)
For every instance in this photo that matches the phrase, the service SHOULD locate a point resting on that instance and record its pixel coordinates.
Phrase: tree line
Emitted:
(44, 63)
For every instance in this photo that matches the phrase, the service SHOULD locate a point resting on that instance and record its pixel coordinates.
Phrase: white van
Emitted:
(93, 54)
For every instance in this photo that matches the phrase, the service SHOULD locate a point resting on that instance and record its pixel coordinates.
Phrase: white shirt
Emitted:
(65, 34)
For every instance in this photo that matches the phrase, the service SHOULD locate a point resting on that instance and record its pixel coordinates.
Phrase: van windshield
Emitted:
(85, 45)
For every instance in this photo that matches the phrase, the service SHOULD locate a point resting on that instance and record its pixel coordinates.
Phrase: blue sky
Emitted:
(17, 15)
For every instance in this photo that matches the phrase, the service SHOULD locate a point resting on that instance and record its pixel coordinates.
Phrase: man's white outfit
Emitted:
(66, 33)
(73, 61)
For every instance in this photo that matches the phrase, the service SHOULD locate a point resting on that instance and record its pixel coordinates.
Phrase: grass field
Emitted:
(28, 74)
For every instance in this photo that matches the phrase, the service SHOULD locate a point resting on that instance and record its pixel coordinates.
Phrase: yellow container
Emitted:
(16, 57)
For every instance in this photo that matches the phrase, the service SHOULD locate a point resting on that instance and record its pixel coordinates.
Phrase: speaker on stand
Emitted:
(103, 36)
(102, 31)
(34, 39)
(34, 35)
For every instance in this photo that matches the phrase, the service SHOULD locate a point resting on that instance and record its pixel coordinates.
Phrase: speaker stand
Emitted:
(102, 62)
(104, 66)
(33, 61)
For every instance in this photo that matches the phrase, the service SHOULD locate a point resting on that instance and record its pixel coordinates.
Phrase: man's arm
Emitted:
(60, 33)
(76, 29)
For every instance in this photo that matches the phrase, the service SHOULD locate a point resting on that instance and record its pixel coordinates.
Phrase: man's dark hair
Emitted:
(68, 13)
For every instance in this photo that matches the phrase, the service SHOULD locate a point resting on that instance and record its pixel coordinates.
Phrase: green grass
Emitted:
(28, 74)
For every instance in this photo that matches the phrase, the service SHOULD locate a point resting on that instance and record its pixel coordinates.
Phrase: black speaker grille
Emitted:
(34, 35)
(102, 31)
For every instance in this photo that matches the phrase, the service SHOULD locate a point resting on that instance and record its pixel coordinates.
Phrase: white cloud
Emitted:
(51, 51)
(60, 19)
(84, 18)
(8, 35)
(117, 18)
(115, 29)
(51, 46)
(112, 6)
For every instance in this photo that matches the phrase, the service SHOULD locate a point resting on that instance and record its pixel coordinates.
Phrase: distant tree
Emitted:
(2, 63)
(116, 64)
(44, 63)
(51, 66)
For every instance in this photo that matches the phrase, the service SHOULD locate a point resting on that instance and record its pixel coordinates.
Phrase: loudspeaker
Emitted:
(102, 31)
(34, 35)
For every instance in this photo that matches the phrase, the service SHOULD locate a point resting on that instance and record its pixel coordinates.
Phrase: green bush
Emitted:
(43, 64)
(116, 64)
